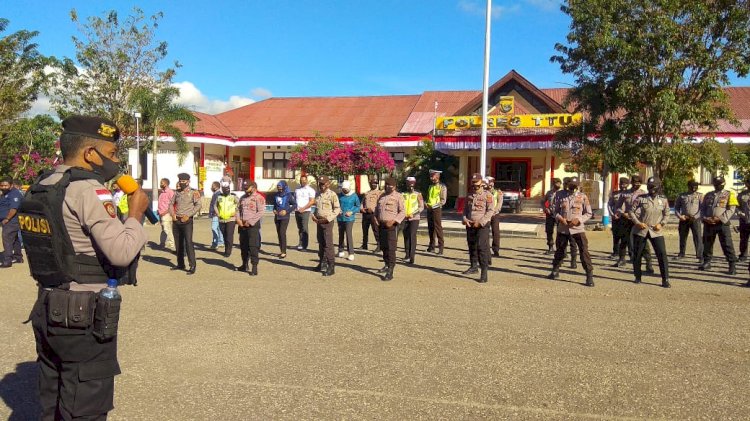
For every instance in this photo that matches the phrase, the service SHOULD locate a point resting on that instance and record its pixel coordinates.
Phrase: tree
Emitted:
(21, 76)
(114, 58)
(424, 158)
(29, 147)
(650, 71)
(159, 114)
(326, 156)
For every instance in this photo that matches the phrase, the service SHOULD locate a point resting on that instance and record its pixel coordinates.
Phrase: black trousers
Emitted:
(76, 372)
(250, 244)
(549, 228)
(183, 240)
(582, 246)
(627, 227)
(744, 236)
(345, 230)
(368, 222)
(693, 226)
(495, 223)
(303, 219)
(281, 226)
(435, 227)
(724, 231)
(620, 237)
(660, 249)
(227, 231)
(11, 242)
(326, 254)
(389, 243)
(478, 240)
(409, 229)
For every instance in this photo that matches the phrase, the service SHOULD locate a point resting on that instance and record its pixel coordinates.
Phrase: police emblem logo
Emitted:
(110, 208)
(506, 104)
(106, 130)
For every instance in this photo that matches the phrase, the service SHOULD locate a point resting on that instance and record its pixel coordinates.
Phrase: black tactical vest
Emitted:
(52, 259)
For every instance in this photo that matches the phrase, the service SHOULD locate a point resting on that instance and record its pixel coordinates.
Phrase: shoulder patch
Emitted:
(104, 194)
(110, 208)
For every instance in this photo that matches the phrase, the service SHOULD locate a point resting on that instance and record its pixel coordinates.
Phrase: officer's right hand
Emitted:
(137, 204)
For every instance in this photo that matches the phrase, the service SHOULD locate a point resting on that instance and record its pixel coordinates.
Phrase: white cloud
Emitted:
(546, 5)
(42, 105)
(475, 7)
(193, 98)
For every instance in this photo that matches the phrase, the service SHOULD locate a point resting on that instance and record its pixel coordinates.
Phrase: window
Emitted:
(706, 176)
(398, 159)
(275, 165)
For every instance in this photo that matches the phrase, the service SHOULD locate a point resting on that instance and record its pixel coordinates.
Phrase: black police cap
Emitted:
(390, 181)
(573, 180)
(719, 179)
(693, 183)
(624, 180)
(636, 178)
(183, 176)
(92, 127)
(653, 181)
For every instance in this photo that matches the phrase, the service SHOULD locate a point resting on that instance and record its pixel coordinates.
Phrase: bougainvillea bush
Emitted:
(341, 158)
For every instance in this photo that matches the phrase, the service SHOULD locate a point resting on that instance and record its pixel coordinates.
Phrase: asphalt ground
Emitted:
(431, 344)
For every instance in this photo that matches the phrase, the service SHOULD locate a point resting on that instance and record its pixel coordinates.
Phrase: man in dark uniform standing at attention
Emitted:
(717, 209)
(619, 234)
(77, 354)
(549, 217)
(390, 211)
(186, 203)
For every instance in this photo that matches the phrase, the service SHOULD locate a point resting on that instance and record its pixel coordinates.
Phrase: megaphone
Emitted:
(128, 185)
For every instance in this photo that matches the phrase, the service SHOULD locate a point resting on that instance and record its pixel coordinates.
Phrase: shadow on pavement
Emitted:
(20, 393)
(216, 262)
(161, 261)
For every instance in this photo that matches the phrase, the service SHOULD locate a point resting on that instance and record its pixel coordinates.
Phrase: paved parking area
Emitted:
(432, 344)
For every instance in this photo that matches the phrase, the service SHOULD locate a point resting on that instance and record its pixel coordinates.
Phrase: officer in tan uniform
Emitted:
(717, 209)
(77, 353)
(572, 209)
(369, 202)
(478, 212)
(414, 205)
(389, 213)
(252, 206)
(649, 215)
(497, 200)
(186, 203)
(327, 209)
(687, 209)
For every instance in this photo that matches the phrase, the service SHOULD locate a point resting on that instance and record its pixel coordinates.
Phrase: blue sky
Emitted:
(237, 52)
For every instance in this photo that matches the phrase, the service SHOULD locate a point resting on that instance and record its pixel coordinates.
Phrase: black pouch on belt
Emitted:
(106, 318)
(70, 309)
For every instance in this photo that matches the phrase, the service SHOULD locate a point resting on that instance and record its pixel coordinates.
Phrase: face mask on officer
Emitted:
(410, 186)
(182, 184)
(572, 186)
(719, 184)
(225, 190)
(373, 185)
(108, 169)
(389, 188)
(652, 189)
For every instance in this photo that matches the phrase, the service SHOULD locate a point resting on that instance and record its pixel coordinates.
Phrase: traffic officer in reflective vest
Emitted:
(226, 210)
(687, 209)
(478, 212)
(548, 203)
(326, 210)
(186, 203)
(437, 194)
(717, 209)
(649, 215)
(497, 204)
(76, 351)
(572, 210)
(389, 212)
(619, 234)
(414, 205)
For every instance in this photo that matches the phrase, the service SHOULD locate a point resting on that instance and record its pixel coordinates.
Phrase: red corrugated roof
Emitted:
(334, 116)
(207, 124)
(422, 118)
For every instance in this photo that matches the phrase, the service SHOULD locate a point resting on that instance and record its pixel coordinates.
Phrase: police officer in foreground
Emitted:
(623, 208)
(250, 211)
(649, 214)
(619, 234)
(414, 205)
(572, 210)
(389, 213)
(548, 203)
(186, 203)
(687, 208)
(74, 243)
(478, 212)
(327, 208)
(437, 194)
(717, 209)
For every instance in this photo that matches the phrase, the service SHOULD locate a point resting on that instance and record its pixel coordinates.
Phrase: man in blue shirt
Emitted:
(217, 239)
(9, 204)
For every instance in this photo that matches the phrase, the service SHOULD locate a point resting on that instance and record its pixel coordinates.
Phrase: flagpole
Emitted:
(485, 92)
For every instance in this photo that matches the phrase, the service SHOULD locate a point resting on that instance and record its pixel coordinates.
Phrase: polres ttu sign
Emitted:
(508, 121)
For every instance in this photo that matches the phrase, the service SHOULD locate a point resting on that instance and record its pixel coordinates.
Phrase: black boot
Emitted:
(254, 270)
(665, 283)
(471, 270)
(496, 253)
(573, 264)
(550, 250)
(637, 281)
(384, 269)
(430, 248)
(705, 266)
(679, 256)
(619, 263)
(242, 268)
(742, 258)
(555, 274)
(330, 270)
(440, 251)
(483, 276)
(589, 279)
(732, 269)
(388, 274)
(747, 285)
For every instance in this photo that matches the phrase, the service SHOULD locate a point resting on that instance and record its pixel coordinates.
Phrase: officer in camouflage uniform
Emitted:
(717, 209)
(649, 214)
(77, 353)
(572, 210)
